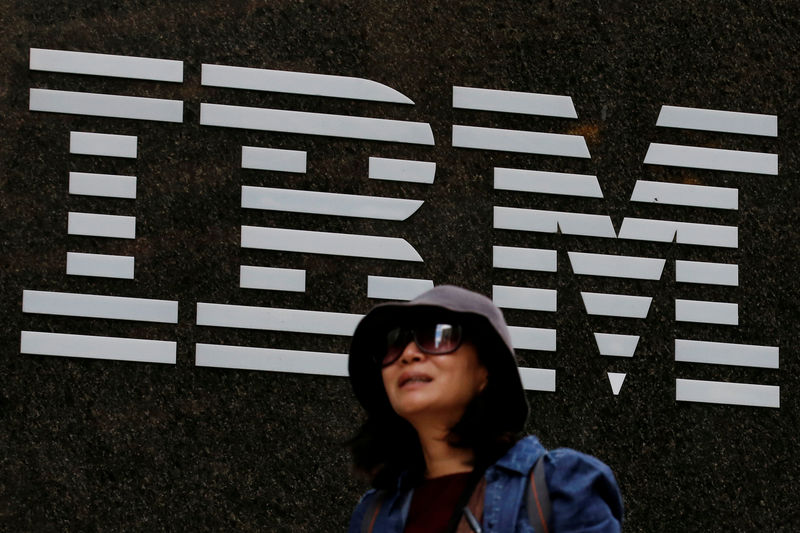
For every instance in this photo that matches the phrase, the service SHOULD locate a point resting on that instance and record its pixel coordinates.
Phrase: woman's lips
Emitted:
(412, 378)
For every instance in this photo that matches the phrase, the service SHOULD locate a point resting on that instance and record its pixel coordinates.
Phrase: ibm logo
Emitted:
(526, 181)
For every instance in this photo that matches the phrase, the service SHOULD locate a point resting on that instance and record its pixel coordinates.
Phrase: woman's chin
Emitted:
(429, 411)
(416, 403)
(413, 406)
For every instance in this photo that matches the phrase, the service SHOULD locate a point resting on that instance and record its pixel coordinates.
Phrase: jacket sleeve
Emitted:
(357, 517)
(583, 492)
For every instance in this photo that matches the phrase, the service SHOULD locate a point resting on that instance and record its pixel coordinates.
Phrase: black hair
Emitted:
(386, 445)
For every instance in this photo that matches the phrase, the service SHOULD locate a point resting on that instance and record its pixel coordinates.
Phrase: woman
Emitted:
(445, 411)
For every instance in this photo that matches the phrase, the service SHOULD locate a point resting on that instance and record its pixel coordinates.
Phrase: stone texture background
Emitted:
(101, 446)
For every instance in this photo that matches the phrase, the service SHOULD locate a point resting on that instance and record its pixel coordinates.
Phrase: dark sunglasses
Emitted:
(432, 338)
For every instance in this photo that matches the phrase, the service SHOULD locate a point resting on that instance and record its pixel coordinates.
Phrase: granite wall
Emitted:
(102, 445)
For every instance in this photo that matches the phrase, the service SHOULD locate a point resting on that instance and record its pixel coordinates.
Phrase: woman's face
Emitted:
(423, 385)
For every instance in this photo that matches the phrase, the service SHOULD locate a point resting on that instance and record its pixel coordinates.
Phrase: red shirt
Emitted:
(434, 502)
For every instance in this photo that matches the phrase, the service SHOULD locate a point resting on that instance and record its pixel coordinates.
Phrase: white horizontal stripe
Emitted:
(722, 353)
(381, 168)
(99, 306)
(318, 242)
(551, 221)
(616, 345)
(110, 185)
(523, 338)
(321, 363)
(86, 143)
(512, 179)
(274, 159)
(94, 347)
(528, 142)
(283, 81)
(541, 379)
(621, 305)
(683, 194)
(707, 312)
(100, 265)
(691, 390)
(524, 258)
(270, 359)
(141, 68)
(715, 120)
(711, 158)
(525, 298)
(106, 105)
(96, 225)
(328, 203)
(711, 273)
(396, 288)
(257, 118)
(276, 319)
(616, 266)
(644, 229)
(268, 278)
(551, 105)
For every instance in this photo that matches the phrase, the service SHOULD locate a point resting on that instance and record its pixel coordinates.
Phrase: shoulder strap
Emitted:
(371, 514)
(468, 495)
(473, 511)
(538, 498)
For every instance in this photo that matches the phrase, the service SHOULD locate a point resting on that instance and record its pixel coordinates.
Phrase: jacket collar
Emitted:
(522, 456)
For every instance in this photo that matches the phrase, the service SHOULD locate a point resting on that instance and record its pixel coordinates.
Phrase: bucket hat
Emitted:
(487, 328)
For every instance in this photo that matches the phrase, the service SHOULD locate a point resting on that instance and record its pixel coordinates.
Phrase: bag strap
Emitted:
(473, 511)
(538, 498)
(473, 481)
(371, 514)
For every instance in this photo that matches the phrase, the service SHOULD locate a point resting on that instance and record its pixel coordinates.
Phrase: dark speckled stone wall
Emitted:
(91, 445)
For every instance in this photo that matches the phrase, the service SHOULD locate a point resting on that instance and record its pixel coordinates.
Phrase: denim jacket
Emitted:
(583, 494)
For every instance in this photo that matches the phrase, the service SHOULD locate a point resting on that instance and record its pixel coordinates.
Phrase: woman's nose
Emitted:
(411, 353)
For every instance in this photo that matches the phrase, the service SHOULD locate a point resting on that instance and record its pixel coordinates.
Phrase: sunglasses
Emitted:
(432, 338)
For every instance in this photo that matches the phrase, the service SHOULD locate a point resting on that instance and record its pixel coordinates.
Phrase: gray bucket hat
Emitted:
(487, 327)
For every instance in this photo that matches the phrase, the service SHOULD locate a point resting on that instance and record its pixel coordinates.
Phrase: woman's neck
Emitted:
(441, 458)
